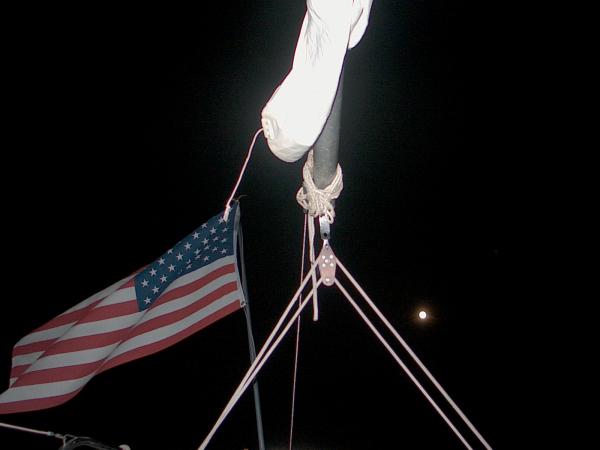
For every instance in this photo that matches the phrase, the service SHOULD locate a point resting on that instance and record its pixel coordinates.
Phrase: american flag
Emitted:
(192, 285)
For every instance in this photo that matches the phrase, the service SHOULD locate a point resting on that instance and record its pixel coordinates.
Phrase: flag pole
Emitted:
(251, 346)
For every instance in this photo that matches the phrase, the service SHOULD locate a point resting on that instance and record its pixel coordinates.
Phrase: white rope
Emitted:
(297, 346)
(401, 364)
(264, 354)
(311, 255)
(239, 180)
(319, 202)
(31, 430)
(414, 356)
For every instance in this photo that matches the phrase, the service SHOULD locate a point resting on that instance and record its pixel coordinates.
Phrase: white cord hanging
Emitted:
(297, 347)
(239, 180)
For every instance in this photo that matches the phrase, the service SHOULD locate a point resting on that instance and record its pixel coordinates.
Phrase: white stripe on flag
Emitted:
(120, 296)
(35, 391)
(201, 272)
(186, 300)
(22, 360)
(103, 326)
(72, 358)
(45, 335)
(99, 295)
(159, 334)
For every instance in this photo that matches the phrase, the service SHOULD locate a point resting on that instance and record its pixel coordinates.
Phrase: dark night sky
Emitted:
(130, 128)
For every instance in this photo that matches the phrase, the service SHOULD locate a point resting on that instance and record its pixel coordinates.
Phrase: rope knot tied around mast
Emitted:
(319, 202)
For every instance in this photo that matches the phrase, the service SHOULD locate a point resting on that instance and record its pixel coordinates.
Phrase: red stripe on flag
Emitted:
(57, 374)
(18, 370)
(75, 316)
(67, 318)
(39, 346)
(87, 342)
(104, 312)
(111, 311)
(194, 285)
(175, 316)
(145, 350)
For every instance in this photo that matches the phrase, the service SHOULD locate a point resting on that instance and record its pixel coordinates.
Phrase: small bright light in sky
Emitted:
(422, 315)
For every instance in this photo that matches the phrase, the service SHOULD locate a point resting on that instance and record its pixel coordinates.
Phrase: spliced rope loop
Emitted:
(319, 202)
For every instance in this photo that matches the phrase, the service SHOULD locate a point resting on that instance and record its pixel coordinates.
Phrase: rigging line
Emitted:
(399, 361)
(311, 248)
(298, 292)
(31, 430)
(254, 369)
(239, 180)
(281, 335)
(415, 357)
(297, 348)
(261, 358)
